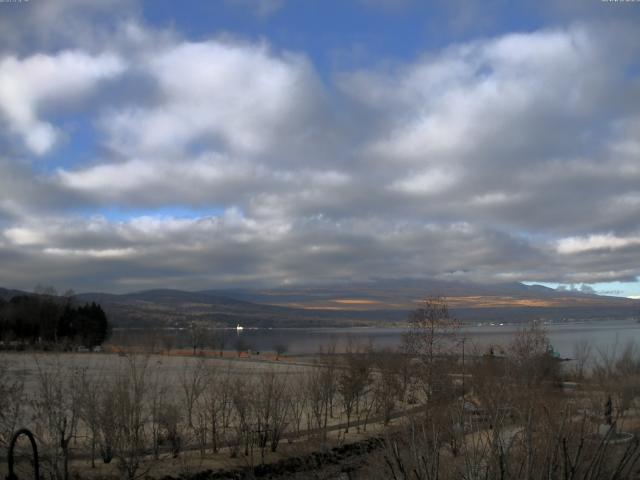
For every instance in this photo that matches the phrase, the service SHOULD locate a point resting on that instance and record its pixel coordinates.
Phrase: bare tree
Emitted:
(387, 387)
(271, 405)
(157, 394)
(107, 422)
(169, 421)
(299, 402)
(129, 393)
(197, 332)
(217, 397)
(617, 373)
(168, 341)
(219, 342)
(280, 350)
(56, 405)
(90, 396)
(431, 337)
(193, 383)
(581, 357)
(321, 386)
(280, 409)
(243, 415)
(12, 394)
(353, 380)
(241, 346)
(530, 357)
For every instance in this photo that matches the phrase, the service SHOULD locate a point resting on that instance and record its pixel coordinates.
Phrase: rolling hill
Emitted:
(366, 303)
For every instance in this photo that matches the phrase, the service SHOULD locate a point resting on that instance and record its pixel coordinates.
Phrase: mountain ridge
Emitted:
(380, 302)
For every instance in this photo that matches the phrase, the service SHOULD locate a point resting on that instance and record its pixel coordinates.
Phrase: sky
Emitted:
(253, 143)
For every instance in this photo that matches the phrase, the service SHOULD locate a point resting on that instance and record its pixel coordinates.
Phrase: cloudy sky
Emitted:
(268, 142)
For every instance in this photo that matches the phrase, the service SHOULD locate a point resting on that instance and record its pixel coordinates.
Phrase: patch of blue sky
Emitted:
(340, 34)
(120, 214)
(76, 144)
(617, 289)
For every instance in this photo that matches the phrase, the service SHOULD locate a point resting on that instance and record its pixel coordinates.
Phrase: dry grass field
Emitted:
(259, 411)
(139, 415)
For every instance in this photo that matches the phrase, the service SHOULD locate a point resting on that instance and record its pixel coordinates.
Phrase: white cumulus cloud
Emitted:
(596, 242)
(29, 85)
(241, 97)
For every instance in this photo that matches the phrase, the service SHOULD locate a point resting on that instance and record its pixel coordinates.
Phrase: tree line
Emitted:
(44, 319)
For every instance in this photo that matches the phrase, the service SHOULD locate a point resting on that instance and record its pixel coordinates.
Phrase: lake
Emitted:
(602, 335)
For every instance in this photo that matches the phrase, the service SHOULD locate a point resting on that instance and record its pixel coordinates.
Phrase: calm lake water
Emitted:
(603, 335)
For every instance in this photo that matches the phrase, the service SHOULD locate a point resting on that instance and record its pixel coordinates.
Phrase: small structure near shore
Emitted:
(608, 433)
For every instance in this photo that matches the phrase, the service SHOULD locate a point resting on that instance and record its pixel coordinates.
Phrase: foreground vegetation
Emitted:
(438, 409)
